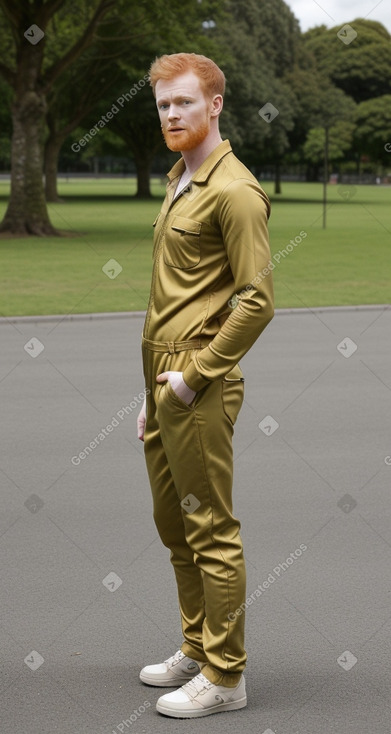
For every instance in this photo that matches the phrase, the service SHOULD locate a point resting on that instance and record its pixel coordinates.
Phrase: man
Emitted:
(210, 243)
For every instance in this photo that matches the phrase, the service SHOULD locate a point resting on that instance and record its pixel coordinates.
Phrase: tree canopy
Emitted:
(360, 68)
(64, 64)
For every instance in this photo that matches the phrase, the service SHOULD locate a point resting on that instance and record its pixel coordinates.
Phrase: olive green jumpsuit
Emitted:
(210, 243)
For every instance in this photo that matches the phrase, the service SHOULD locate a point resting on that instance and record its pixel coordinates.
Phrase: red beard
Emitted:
(186, 139)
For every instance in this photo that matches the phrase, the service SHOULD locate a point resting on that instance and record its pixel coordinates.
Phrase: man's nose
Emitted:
(173, 113)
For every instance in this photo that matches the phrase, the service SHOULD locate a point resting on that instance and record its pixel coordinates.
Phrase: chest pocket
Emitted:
(182, 243)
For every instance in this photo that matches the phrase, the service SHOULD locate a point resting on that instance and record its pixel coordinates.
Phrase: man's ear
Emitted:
(216, 105)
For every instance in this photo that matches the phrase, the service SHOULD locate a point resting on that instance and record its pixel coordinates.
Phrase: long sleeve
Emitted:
(242, 212)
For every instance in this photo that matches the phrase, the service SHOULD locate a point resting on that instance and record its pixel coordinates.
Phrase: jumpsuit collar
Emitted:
(202, 173)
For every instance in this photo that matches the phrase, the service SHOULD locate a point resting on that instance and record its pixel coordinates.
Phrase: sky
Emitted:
(338, 12)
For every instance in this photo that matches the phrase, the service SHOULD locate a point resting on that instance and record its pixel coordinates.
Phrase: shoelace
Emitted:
(175, 658)
(198, 683)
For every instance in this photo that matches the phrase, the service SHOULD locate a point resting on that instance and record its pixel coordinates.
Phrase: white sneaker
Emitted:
(176, 670)
(200, 697)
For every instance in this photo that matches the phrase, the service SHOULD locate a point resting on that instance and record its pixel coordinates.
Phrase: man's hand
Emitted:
(141, 418)
(178, 384)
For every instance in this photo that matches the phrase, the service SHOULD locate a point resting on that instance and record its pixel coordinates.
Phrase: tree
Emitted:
(134, 131)
(259, 40)
(139, 129)
(5, 125)
(93, 79)
(111, 76)
(138, 124)
(373, 128)
(361, 68)
(335, 109)
(31, 80)
(339, 142)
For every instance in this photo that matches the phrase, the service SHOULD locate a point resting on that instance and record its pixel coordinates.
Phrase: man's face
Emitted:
(183, 110)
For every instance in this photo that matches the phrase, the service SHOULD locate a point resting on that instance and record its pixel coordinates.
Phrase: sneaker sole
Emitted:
(195, 713)
(165, 682)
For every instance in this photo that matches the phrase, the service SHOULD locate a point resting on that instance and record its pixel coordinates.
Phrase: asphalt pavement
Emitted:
(88, 595)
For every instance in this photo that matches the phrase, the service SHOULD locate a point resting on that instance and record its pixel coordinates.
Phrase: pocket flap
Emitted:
(235, 375)
(186, 226)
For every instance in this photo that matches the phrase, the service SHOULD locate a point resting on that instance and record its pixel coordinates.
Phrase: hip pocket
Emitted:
(232, 391)
(170, 393)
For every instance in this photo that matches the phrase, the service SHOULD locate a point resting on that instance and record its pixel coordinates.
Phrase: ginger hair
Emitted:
(168, 66)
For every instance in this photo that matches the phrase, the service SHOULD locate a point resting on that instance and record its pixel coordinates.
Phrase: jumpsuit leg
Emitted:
(188, 451)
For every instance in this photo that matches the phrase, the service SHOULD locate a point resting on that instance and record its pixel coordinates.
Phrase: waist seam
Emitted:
(171, 347)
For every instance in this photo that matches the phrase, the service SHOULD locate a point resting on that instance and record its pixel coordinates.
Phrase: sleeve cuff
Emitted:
(193, 379)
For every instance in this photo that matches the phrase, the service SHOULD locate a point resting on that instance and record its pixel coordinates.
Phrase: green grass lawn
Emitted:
(348, 263)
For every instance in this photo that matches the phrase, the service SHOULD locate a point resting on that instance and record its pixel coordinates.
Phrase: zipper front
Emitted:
(158, 249)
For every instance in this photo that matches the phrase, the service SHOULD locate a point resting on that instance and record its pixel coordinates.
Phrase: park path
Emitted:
(88, 594)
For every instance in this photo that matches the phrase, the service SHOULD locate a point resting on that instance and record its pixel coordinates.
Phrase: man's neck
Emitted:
(195, 158)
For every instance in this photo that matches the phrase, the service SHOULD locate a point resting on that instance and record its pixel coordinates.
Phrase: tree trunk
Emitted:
(143, 166)
(52, 150)
(277, 179)
(312, 172)
(27, 212)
